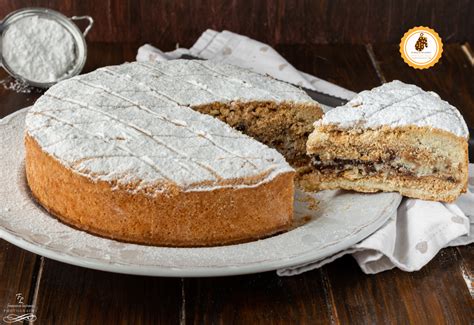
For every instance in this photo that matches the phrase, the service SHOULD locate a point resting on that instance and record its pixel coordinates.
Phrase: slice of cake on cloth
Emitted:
(124, 152)
(395, 137)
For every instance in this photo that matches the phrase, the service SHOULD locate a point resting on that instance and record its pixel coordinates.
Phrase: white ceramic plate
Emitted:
(340, 220)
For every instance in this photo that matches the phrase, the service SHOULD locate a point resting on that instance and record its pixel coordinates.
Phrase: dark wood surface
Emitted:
(167, 22)
(336, 293)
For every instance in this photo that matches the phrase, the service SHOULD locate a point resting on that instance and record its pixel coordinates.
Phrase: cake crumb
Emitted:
(311, 202)
(300, 221)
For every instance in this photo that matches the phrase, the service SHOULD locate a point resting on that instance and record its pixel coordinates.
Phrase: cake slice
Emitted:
(395, 137)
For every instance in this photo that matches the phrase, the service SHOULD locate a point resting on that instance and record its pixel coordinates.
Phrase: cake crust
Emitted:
(176, 218)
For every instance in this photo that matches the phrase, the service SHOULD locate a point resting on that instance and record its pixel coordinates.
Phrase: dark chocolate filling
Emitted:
(365, 167)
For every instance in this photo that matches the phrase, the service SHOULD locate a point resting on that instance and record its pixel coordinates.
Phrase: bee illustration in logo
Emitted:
(421, 43)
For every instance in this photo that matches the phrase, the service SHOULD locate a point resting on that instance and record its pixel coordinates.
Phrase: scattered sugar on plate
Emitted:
(17, 86)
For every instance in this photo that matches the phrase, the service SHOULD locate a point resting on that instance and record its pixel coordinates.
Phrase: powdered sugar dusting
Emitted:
(134, 124)
(397, 104)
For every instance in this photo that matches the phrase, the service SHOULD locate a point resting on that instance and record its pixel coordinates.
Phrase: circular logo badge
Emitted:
(421, 47)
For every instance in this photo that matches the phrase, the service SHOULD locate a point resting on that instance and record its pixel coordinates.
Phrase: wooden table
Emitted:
(338, 293)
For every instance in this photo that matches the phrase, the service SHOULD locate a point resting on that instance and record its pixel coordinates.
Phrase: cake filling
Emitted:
(392, 165)
(282, 126)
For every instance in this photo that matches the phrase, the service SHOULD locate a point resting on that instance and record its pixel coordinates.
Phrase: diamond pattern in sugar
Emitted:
(398, 104)
(135, 122)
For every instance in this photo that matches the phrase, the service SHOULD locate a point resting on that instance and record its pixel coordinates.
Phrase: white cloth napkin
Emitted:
(240, 50)
(416, 231)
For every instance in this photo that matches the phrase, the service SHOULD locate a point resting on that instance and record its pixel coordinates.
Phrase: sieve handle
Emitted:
(89, 19)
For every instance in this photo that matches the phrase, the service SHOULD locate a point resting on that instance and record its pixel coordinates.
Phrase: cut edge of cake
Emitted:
(284, 126)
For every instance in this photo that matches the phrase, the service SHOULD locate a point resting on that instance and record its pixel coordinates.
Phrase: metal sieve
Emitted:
(80, 46)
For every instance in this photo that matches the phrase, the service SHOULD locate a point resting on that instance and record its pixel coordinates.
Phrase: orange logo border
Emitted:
(407, 59)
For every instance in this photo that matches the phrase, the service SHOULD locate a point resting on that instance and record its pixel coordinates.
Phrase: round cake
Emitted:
(125, 152)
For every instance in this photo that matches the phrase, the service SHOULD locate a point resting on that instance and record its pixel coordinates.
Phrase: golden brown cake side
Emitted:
(418, 162)
(175, 218)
